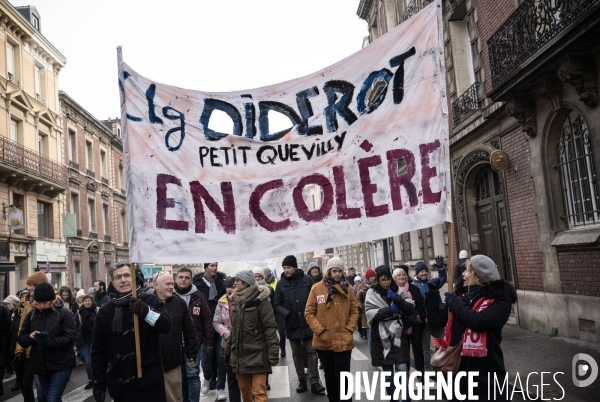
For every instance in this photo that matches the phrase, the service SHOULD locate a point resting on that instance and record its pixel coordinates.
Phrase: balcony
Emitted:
(123, 191)
(27, 160)
(93, 235)
(467, 102)
(105, 181)
(90, 173)
(533, 25)
(413, 7)
(39, 98)
(79, 233)
(74, 165)
(13, 79)
(107, 238)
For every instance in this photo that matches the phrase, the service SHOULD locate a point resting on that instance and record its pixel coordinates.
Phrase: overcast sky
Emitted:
(205, 45)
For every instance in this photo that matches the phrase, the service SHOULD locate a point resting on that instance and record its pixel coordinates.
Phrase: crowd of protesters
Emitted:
(234, 330)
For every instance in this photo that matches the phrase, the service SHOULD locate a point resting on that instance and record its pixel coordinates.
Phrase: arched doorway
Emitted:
(492, 220)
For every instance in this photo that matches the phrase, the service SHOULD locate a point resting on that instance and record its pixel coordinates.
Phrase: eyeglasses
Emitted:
(124, 276)
(385, 279)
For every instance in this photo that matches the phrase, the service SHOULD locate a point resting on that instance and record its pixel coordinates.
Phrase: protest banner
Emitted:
(370, 130)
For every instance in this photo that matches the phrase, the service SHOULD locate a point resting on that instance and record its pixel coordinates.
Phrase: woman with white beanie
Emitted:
(332, 315)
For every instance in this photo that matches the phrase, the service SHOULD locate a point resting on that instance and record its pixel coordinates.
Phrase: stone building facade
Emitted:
(33, 177)
(522, 78)
(96, 196)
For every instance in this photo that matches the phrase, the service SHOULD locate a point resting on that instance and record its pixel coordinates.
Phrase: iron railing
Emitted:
(123, 191)
(413, 7)
(74, 165)
(79, 233)
(91, 173)
(39, 98)
(107, 238)
(13, 79)
(15, 154)
(105, 181)
(467, 101)
(93, 235)
(528, 29)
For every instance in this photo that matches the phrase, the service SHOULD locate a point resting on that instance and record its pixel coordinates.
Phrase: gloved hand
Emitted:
(450, 297)
(99, 395)
(208, 350)
(274, 360)
(391, 295)
(42, 339)
(439, 262)
(395, 308)
(136, 306)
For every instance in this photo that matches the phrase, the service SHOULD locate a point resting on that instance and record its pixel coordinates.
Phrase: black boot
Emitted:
(317, 388)
(282, 352)
(302, 386)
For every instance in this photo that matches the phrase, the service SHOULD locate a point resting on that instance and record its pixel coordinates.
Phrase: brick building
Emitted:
(522, 78)
(33, 178)
(96, 196)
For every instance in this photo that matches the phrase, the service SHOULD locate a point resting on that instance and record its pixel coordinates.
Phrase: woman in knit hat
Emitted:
(50, 332)
(386, 305)
(332, 315)
(252, 346)
(479, 313)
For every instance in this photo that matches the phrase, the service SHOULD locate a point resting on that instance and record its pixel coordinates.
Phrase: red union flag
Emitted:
(370, 131)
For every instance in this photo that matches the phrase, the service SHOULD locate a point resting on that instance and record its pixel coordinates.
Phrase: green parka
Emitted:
(253, 334)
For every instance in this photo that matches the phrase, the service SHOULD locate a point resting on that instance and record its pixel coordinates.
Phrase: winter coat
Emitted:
(396, 354)
(59, 354)
(350, 279)
(181, 324)
(5, 333)
(85, 329)
(253, 335)
(203, 286)
(222, 320)
(290, 302)
(420, 302)
(201, 316)
(113, 354)
(491, 320)
(333, 326)
(14, 330)
(272, 282)
(101, 298)
(26, 305)
(360, 304)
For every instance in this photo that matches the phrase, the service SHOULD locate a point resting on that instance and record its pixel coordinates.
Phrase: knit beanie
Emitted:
(383, 270)
(485, 268)
(12, 299)
(463, 254)
(289, 261)
(312, 265)
(405, 268)
(267, 272)
(335, 262)
(370, 273)
(260, 271)
(37, 278)
(246, 276)
(419, 266)
(229, 283)
(80, 293)
(357, 279)
(44, 292)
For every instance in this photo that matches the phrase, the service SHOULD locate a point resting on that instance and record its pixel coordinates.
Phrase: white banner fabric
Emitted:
(366, 156)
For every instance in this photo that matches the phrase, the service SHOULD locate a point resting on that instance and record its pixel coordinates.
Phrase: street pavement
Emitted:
(525, 352)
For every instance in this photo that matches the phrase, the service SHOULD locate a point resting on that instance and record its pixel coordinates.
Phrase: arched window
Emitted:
(577, 173)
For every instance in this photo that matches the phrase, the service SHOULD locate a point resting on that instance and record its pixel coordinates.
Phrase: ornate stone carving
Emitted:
(460, 176)
(581, 73)
(523, 109)
(549, 88)
(495, 143)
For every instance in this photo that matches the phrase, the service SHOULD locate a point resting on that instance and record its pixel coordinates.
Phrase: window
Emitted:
(38, 83)
(461, 55)
(77, 274)
(14, 130)
(577, 172)
(10, 62)
(89, 156)
(92, 215)
(415, 245)
(44, 215)
(74, 209)
(72, 146)
(121, 178)
(36, 22)
(105, 220)
(124, 237)
(42, 144)
(102, 163)
(19, 202)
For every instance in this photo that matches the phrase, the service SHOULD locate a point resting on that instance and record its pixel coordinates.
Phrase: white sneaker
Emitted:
(221, 396)
(205, 387)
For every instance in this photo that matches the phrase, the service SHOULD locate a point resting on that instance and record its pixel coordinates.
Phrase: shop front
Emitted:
(51, 258)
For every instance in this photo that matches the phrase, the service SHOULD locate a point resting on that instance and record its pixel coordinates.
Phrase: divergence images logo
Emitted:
(584, 365)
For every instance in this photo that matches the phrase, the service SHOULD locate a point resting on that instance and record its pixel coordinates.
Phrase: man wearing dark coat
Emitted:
(100, 294)
(290, 300)
(113, 345)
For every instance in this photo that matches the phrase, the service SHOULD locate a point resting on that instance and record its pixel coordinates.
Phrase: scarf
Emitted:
(244, 296)
(212, 293)
(333, 287)
(474, 343)
(270, 279)
(406, 291)
(187, 293)
(119, 301)
(390, 329)
(86, 313)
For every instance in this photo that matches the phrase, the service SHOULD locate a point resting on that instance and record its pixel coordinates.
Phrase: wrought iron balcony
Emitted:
(74, 165)
(93, 235)
(91, 173)
(467, 102)
(123, 191)
(79, 233)
(413, 7)
(105, 181)
(534, 24)
(16, 155)
(125, 244)
(13, 79)
(107, 238)
(39, 98)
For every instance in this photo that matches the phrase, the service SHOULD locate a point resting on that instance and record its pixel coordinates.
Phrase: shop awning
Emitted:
(54, 266)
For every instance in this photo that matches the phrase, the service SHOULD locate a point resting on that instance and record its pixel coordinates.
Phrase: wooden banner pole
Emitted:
(136, 324)
(450, 258)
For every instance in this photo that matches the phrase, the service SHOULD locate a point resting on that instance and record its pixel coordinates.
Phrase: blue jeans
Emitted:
(190, 381)
(86, 354)
(222, 368)
(52, 386)
(207, 371)
(368, 332)
(400, 367)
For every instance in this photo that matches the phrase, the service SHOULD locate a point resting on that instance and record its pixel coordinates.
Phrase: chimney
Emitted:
(109, 119)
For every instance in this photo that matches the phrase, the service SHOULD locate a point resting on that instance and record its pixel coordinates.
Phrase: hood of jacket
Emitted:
(499, 290)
